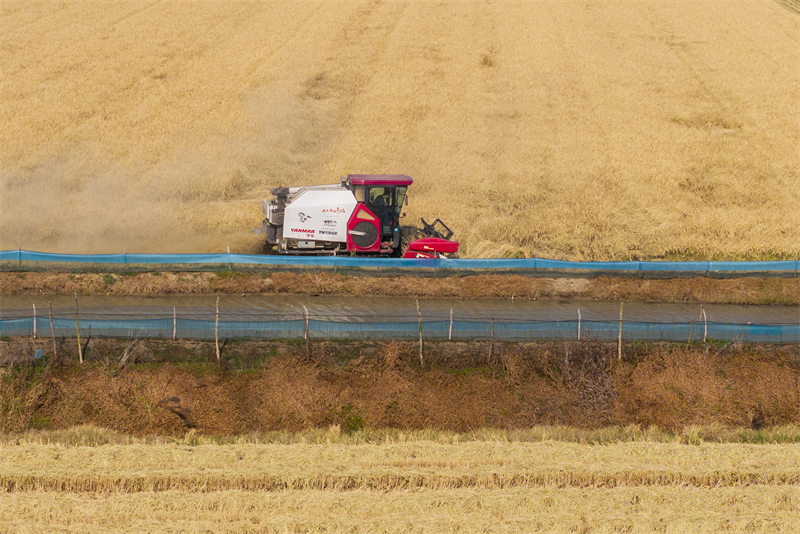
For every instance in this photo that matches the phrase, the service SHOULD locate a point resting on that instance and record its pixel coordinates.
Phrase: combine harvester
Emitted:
(361, 215)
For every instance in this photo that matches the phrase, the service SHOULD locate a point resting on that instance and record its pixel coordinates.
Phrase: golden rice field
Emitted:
(564, 129)
(404, 483)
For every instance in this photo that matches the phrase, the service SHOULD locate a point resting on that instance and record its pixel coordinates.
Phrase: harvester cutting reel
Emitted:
(359, 216)
(430, 241)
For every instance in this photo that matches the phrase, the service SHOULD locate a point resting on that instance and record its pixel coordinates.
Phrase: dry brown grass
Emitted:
(558, 129)
(360, 386)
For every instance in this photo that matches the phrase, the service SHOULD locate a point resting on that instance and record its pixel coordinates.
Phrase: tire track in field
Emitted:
(245, 75)
(302, 93)
(314, 101)
(10, 30)
(135, 12)
(160, 68)
(347, 69)
(732, 112)
(67, 20)
(791, 5)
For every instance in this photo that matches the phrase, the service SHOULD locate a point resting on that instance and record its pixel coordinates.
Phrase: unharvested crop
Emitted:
(557, 129)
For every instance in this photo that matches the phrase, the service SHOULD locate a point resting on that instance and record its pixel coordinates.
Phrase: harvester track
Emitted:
(791, 5)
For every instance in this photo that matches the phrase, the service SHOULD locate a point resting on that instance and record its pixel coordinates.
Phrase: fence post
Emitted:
(34, 321)
(491, 340)
(705, 323)
(619, 346)
(450, 332)
(78, 330)
(53, 332)
(174, 323)
(230, 265)
(308, 341)
(419, 312)
(19, 258)
(579, 324)
(216, 329)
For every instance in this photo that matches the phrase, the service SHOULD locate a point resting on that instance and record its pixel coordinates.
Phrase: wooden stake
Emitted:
(491, 340)
(579, 324)
(78, 330)
(419, 312)
(308, 341)
(34, 321)
(705, 323)
(619, 347)
(216, 329)
(174, 323)
(53, 331)
(450, 333)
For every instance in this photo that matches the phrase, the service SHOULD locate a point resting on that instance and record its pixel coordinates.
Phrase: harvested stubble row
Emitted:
(389, 467)
(633, 510)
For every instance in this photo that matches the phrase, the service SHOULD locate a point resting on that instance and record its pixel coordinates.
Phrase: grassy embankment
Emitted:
(164, 387)
(619, 130)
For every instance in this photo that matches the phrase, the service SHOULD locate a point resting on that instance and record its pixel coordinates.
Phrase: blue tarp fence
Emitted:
(189, 324)
(19, 260)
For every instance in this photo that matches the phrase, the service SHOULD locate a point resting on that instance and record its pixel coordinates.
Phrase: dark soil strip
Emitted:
(769, 291)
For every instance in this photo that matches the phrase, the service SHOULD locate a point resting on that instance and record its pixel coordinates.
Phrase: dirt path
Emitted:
(771, 291)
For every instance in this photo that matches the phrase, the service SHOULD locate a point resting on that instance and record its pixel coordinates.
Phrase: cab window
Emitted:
(401, 195)
(359, 192)
(380, 197)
